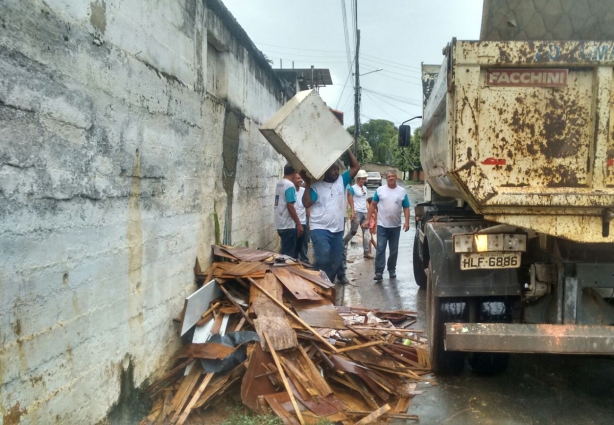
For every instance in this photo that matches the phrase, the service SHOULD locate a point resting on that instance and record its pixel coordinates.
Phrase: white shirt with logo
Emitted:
(300, 208)
(390, 204)
(283, 196)
(329, 204)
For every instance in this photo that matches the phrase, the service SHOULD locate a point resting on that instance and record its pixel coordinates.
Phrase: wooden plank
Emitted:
(185, 389)
(208, 350)
(218, 251)
(300, 289)
(247, 254)
(255, 383)
(270, 317)
(320, 314)
(358, 347)
(314, 374)
(374, 415)
(243, 268)
(283, 379)
(194, 399)
(295, 317)
(282, 334)
(236, 304)
(170, 374)
(276, 401)
(311, 276)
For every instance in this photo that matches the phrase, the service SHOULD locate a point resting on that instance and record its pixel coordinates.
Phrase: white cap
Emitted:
(362, 174)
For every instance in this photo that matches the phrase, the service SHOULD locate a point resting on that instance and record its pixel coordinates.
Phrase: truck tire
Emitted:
(491, 364)
(438, 311)
(419, 274)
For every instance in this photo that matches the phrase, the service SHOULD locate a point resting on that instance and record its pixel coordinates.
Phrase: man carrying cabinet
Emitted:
(287, 222)
(389, 200)
(328, 201)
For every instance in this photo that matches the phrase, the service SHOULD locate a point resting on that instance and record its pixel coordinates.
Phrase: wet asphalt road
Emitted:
(536, 389)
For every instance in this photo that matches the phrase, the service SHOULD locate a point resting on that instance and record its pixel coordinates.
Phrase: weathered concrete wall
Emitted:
(125, 128)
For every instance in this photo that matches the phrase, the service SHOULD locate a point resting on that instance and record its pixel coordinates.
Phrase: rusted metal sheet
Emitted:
(528, 338)
(522, 132)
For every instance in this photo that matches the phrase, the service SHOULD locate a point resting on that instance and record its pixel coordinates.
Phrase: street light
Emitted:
(370, 72)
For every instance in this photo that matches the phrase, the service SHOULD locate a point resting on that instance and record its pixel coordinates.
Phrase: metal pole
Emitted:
(312, 85)
(357, 97)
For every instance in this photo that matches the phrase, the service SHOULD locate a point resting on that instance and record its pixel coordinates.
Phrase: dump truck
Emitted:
(515, 240)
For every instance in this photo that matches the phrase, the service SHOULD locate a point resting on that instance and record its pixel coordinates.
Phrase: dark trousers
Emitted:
(302, 244)
(328, 251)
(288, 242)
(387, 236)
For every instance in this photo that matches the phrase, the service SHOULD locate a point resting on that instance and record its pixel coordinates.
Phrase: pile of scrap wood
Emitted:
(268, 325)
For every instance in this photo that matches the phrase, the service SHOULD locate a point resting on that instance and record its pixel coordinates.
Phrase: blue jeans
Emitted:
(328, 251)
(387, 236)
(302, 244)
(288, 242)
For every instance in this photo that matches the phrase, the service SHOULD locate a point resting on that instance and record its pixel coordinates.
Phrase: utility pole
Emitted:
(357, 93)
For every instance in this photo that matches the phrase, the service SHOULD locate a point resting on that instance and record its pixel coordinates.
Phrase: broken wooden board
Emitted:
(311, 275)
(247, 254)
(281, 404)
(197, 303)
(270, 317)
(296, 285)
(209, 350)
(319, 314)
(245, 268)
(256, 382)
(280, 332)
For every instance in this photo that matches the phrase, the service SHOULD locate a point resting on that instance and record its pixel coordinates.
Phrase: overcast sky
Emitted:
(396, 35)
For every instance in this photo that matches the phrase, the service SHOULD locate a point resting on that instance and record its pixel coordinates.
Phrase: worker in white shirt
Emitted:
(390, 200)
(327, 199)
(287, 222)
(302, 243)
(359, 211)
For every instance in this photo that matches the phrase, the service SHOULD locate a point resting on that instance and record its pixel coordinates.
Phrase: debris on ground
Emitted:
(266, 325)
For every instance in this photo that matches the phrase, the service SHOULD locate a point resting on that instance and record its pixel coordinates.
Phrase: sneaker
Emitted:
(343, 280)
(369, 256)
(392, 274)
(378, 277)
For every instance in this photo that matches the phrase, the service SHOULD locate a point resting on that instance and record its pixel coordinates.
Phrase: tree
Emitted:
(408, 159)
(365, 153)
(381, 136)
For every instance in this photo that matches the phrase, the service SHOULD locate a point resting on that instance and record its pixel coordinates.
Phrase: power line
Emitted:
(345, 83)
(335, 56)
(296, 48)
(376, 104)
(392, 62)
(346, 36)
(406, 102)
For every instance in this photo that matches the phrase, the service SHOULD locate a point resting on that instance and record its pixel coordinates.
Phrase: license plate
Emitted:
(490, 260)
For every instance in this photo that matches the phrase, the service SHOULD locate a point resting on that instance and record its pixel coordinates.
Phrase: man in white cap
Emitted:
(359, 211)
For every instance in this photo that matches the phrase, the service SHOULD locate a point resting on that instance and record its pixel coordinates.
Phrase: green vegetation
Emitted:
(378, 142)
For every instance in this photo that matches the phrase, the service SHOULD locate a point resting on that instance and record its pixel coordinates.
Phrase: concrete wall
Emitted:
(381, 168)
(125, 128)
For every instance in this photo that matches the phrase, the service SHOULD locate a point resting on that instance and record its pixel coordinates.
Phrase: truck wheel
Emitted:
(490, 364)
(419, 274)
(438, 311)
